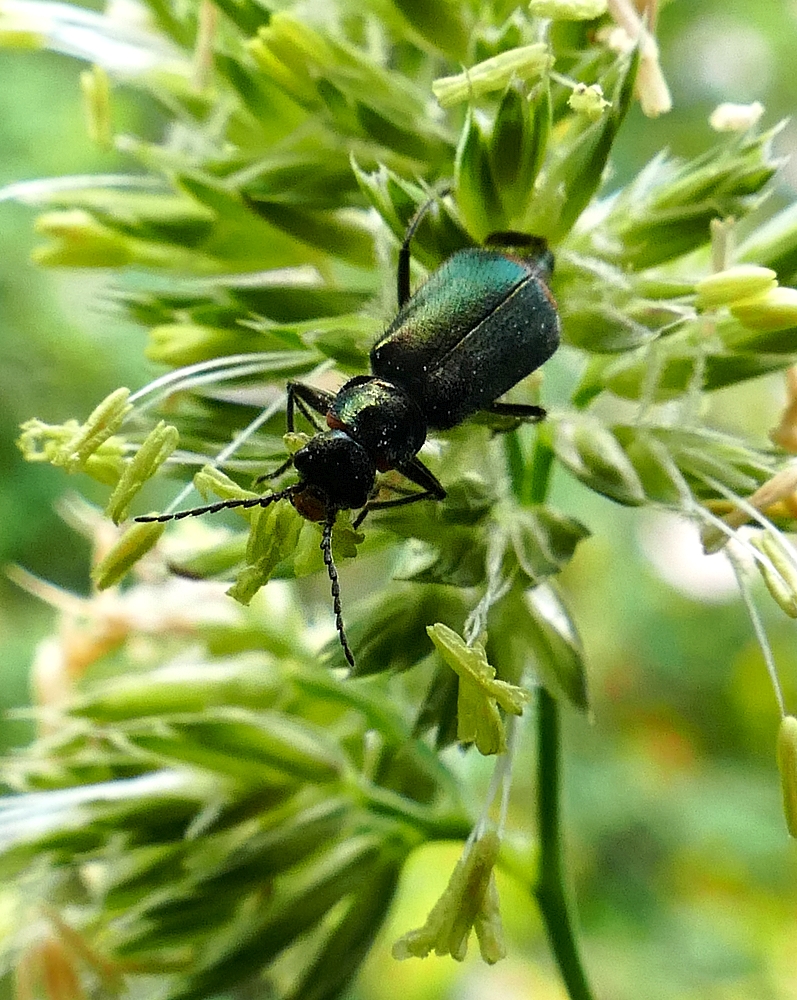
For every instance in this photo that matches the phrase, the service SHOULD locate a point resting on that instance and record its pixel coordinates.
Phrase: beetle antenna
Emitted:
(326, 548)
(213, 508)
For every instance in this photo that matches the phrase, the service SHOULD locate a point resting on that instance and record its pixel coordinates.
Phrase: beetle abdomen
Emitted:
(481, 323)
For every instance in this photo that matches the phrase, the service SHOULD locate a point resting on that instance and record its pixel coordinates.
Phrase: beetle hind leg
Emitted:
(524, 412)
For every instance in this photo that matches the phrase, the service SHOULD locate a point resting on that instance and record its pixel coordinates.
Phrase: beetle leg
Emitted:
(416, 472)
(306, 398)
(526, 246)
(521, 411)
(276, 473)
(397, 502)
(512, 238)
(403, 270)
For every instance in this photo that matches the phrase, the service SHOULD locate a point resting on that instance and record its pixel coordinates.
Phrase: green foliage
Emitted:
(217, 807)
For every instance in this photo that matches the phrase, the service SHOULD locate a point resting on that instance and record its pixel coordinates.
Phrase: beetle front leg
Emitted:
(305, 398)
(276, 473)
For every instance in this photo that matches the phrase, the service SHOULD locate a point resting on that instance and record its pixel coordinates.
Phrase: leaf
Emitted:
(458, 561)
(542, 539)
(593, 454)
(531, 631)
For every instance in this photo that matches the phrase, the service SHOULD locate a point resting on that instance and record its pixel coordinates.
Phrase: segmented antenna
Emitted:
(326, 548)
(213, 508)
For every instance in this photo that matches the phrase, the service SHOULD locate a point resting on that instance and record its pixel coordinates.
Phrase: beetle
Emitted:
(481, 322)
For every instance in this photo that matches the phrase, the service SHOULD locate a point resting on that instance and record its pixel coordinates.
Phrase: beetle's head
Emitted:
(335, 473)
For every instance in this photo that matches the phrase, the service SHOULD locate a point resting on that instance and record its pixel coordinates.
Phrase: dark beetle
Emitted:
(481, 322)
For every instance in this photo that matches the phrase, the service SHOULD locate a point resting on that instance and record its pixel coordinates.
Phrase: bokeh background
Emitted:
(685, 878)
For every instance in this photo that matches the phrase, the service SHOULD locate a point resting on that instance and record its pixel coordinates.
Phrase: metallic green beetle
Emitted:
(480, 323)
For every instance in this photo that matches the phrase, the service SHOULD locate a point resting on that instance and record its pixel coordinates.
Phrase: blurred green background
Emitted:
(685, 877)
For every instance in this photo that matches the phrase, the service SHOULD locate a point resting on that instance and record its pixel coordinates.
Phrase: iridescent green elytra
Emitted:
(481, 323)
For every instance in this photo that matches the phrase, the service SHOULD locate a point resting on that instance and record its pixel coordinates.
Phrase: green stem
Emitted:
(535, 487)
(515, 460)
(550, 890)
(531, 486)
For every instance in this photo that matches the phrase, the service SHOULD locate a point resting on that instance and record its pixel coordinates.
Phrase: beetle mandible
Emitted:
(484, 320)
